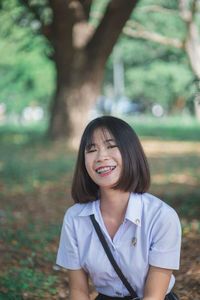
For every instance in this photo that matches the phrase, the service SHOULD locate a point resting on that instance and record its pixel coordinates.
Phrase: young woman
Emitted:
(111, 181)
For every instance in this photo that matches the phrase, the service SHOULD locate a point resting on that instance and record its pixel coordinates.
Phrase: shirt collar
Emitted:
(134, 209)
(89, 209)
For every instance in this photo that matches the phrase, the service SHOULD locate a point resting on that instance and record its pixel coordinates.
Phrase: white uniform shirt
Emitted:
(153, 223)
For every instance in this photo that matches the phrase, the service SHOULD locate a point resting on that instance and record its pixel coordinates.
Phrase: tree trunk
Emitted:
(74, 99)
(80, 54)
(192, 47)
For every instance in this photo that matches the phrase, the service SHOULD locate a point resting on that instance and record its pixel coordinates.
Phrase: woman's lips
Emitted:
(105, 170)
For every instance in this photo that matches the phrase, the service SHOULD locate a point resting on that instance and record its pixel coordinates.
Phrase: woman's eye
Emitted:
(91, 150)
(112, 146)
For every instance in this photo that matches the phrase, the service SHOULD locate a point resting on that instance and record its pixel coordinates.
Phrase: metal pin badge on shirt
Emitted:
(134, 241)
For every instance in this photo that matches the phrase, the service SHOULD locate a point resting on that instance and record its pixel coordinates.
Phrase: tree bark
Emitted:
(73, 102)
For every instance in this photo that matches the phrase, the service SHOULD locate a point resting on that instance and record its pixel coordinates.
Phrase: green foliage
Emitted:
(155, 73)
(161, 21)
(161, 77)
(19, 282)
(168, 128)
(25, 68)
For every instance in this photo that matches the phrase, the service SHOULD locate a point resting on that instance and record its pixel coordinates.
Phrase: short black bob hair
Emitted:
(135, 175)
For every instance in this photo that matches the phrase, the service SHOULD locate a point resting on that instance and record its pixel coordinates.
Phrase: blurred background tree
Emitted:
(78, 49)
(53, 54)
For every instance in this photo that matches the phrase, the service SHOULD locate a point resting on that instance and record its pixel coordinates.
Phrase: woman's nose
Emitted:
(102, 154)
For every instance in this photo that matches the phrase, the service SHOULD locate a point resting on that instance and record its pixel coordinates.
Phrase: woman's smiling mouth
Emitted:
(105, 170)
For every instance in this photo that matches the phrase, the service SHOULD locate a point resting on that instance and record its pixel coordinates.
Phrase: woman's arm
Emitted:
(157, 283)
(78, 285)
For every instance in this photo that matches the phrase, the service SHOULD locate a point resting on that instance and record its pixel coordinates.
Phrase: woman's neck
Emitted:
(113, 204)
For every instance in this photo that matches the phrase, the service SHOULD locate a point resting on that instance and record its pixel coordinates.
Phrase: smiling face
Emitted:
(103, 160)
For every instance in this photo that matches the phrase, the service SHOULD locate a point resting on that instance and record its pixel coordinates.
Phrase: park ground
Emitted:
(35, 192)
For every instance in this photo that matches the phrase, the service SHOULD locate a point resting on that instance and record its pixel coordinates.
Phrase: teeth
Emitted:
(104, 170)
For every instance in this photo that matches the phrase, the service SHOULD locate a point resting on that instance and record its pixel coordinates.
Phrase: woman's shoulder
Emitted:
(157, 206)
(159, 216)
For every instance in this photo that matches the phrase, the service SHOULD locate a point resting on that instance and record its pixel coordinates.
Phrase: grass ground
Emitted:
(35, 192)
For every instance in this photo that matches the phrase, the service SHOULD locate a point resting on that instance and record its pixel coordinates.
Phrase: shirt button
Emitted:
(137, 221)
(118, 293)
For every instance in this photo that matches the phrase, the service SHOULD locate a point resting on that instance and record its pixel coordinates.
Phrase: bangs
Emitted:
(89, 138)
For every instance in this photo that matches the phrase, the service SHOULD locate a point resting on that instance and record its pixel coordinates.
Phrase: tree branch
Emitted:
(109, 28)
(158, 8)
(135, 25)
(86, 6)
(63, 20)
(147, 35)
(78, 10)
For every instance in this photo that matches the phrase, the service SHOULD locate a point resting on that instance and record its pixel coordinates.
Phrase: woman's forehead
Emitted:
(101, 134)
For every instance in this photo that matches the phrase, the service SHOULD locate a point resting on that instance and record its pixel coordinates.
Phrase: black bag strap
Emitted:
(111, 258)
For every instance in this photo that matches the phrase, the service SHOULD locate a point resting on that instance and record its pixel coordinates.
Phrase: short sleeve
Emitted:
(68, 256)
(166, 241)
